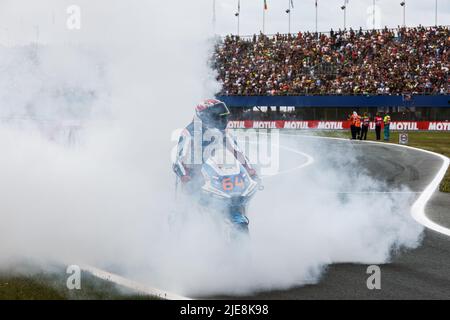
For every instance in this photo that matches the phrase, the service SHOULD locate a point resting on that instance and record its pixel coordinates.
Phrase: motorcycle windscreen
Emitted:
(227, 173)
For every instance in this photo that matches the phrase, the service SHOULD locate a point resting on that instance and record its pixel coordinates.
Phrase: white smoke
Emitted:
(332, 211)
(116, 89)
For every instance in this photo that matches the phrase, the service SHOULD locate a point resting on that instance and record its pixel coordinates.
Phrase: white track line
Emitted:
(418, 208)
(131, 284)
(309, 160)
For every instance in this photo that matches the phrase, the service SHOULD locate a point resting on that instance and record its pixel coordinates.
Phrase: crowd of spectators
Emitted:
(399, 61)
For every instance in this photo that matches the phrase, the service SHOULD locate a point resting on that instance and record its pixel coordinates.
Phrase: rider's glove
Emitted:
(252, 172)
(185, 179)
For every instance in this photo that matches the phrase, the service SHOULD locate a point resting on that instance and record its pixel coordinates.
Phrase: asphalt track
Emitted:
(423, 273)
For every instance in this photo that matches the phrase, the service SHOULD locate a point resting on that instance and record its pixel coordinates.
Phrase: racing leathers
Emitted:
(195, 144)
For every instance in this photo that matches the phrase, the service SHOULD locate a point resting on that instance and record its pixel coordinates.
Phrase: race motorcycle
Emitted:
(228, 189)
(224, 190)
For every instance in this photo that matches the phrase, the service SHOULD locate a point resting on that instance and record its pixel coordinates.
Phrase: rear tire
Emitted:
(240, 231)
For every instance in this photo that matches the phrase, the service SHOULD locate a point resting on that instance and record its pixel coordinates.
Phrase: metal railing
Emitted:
(338, 31)
(309, 94)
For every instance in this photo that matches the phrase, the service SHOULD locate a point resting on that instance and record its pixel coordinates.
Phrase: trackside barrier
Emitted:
(336, 125)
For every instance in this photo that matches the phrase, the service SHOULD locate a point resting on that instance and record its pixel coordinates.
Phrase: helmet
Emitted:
(213, 113)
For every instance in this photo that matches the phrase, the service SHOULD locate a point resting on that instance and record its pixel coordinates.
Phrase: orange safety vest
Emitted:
(358, 122)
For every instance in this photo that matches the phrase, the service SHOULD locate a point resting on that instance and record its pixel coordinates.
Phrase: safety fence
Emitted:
(336, 125)
(338, 101)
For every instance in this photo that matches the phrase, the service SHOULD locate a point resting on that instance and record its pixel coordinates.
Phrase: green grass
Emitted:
(52, 286)
(28, 288)
(438, 142)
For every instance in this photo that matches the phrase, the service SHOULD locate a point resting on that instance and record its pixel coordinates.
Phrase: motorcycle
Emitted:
(228, 189)
(223, 189)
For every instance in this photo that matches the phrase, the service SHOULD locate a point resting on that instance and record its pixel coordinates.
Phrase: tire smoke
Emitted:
(85, 172)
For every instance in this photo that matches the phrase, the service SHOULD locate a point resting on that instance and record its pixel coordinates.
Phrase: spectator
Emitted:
(392, 62)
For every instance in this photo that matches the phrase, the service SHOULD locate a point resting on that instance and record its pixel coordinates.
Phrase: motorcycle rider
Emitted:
(206, 132)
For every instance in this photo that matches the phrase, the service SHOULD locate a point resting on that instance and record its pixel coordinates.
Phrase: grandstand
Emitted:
(326, 76)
